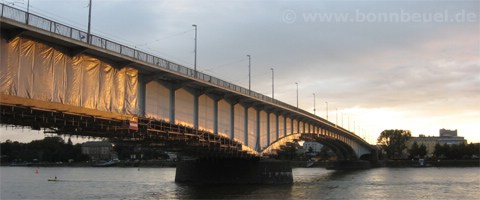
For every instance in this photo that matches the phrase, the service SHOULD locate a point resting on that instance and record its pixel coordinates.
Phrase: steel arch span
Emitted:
(343, 148)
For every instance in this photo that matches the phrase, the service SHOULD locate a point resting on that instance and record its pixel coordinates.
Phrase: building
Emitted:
(448, 133)
(315, 146)
(99, 150)
(448, 137)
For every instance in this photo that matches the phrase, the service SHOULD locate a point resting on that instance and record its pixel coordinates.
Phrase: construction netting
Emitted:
(35, 70)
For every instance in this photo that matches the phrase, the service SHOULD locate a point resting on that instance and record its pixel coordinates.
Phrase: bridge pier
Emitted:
(233, 171)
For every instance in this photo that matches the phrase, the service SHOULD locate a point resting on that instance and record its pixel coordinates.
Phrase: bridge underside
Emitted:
(342, 150)
(67, 120)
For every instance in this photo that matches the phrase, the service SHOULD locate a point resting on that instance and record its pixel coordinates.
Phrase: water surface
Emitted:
(309, 183)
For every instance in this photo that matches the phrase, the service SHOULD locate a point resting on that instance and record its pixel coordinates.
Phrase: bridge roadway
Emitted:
(66, 81)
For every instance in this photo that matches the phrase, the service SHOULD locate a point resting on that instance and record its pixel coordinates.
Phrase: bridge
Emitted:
(67, 81)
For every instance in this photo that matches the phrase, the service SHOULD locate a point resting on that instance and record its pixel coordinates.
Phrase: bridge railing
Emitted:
(160, 63)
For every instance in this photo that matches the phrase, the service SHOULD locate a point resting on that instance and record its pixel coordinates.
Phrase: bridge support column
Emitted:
(233, 171)
(215, 116)
(245, 129)
(142, 91)
(257, 131)
(171, 113)
(195, 111)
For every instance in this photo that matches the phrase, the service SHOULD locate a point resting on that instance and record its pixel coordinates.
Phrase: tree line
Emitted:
(49, 149)
(394, 143)
(55, 149)
(457, 152)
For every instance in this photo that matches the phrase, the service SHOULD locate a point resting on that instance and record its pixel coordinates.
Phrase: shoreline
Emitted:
(294, 164)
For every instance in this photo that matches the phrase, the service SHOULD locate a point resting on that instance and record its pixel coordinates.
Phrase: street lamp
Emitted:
(313, 103)
(273, 83)
(89, 20)
(297, 93)
(28, 10)
(249, 72)
(195, 51)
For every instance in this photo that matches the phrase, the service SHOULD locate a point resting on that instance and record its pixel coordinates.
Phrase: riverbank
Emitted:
(144, 163)
(294, 164)
(431, 163)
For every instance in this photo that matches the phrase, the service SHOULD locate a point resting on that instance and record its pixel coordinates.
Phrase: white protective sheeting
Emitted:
(224, 118)
(184, 107)
(205, 113)
(157, 101)
(37, 71)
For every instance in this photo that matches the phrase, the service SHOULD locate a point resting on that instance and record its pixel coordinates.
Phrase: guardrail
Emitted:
(96, 41)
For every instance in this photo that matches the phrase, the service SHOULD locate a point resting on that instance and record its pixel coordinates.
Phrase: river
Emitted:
(309, 183)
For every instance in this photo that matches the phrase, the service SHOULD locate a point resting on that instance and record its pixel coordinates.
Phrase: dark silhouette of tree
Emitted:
(422, 151)
(414, 150)
(457, 151)
(49, 149)
(438, 152)
(394, 142)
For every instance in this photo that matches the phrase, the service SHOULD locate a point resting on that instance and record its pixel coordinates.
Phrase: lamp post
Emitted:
(28, 10)
(249, 72)
(297, 93)
(89, 20)
(195, 51)
(273, 83)
(314, 104)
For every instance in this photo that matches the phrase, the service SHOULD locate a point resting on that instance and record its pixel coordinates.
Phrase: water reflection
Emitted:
(252, 191)
(309, 183)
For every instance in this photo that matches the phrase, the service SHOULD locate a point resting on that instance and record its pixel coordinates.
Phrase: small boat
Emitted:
(53, 179)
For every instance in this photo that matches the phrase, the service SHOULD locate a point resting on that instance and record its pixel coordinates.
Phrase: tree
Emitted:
(414, 150)
(422, 151)
(393, 142)
(438, 150)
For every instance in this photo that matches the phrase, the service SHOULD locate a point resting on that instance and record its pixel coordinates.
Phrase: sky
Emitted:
(412, 65)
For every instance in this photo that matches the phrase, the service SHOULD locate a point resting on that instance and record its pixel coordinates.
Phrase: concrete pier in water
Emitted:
(233, 171)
